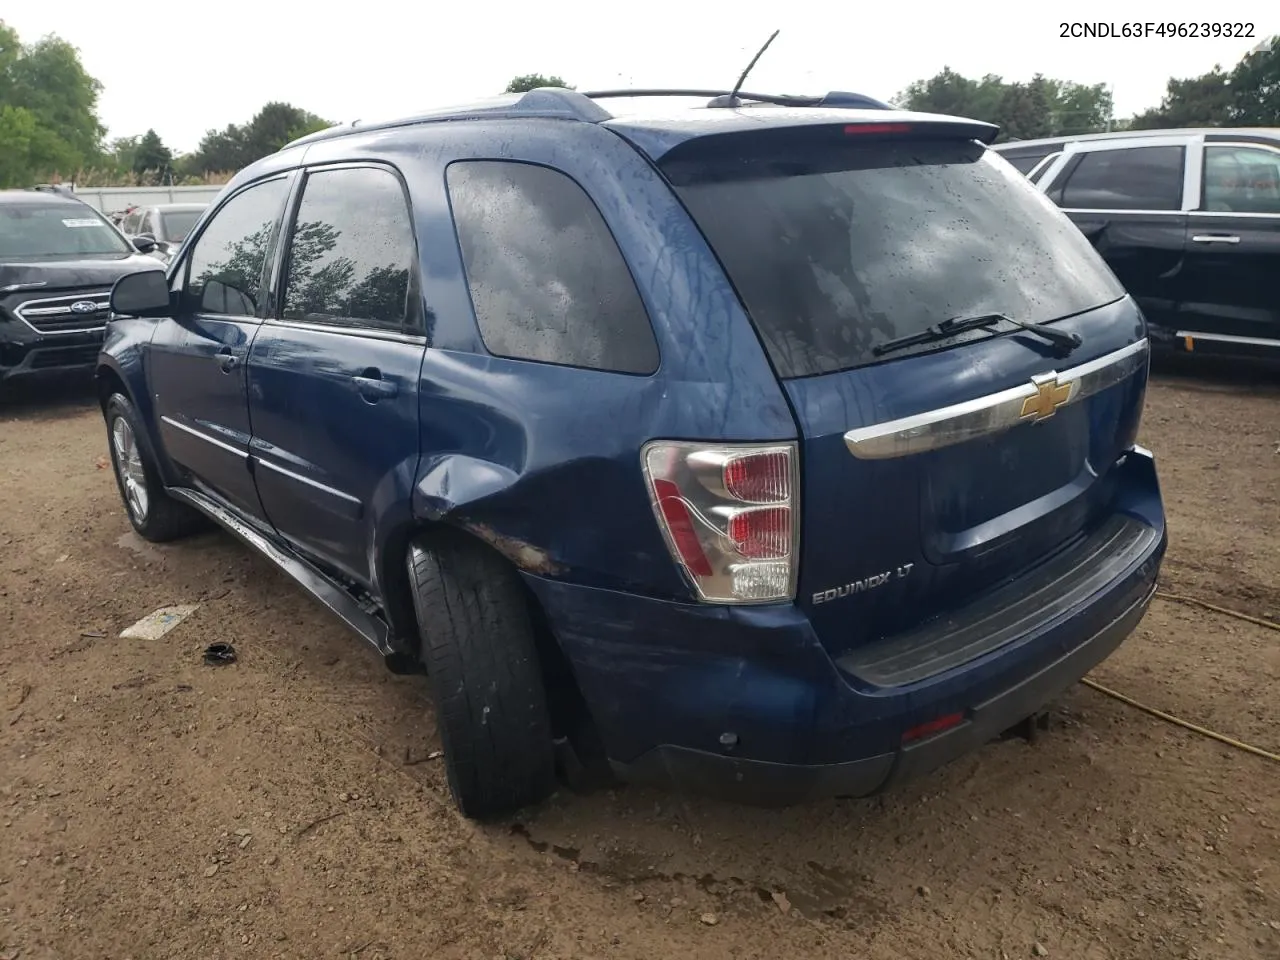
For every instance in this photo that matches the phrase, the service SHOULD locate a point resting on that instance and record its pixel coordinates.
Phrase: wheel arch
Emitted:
(570, 715)
(110, 378)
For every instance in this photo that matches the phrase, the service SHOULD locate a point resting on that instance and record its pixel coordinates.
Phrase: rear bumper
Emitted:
(744, 703)
(780, 784)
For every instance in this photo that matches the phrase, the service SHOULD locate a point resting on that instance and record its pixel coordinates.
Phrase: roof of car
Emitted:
(678, 115)
(1251, 132)
(37, 196)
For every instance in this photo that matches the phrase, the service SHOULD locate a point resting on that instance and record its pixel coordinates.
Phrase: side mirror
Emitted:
(144, 243)
(144, 294)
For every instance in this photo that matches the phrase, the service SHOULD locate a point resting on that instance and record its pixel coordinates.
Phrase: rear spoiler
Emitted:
(672, 144)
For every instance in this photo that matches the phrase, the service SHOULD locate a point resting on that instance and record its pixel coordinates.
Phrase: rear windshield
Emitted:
(839, 248)
(37, 231)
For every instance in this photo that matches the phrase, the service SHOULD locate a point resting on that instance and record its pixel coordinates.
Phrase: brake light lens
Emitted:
(728, 513)
(854, 129)
(763, 533)
(759, 477)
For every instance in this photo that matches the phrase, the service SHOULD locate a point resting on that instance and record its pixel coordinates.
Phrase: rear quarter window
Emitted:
(547, 279)
(838, 248)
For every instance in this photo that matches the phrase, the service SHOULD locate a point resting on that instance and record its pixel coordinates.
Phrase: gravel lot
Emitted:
(289, 805)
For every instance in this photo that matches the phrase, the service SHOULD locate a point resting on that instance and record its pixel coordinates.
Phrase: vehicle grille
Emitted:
(67, 314)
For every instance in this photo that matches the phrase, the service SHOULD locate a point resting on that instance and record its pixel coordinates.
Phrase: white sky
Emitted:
(208, 66)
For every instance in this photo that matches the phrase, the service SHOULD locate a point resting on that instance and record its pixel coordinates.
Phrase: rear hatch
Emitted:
(935, 471)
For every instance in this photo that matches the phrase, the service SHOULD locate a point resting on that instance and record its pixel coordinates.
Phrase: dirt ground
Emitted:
(288, 805)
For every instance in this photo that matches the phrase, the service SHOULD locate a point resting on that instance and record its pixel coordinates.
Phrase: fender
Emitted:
(452, 488)
(124, 354)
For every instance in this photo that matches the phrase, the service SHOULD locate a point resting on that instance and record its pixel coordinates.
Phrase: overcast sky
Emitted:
(187, 68)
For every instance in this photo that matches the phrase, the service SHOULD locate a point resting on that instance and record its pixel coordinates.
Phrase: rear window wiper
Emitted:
(1062, 341)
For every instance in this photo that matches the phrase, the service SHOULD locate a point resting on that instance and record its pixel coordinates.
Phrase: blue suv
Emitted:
(770, 447)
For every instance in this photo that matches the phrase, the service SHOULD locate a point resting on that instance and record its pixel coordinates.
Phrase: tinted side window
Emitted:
(1137, 178)
(351, 251)
(227, 260)
(1241, 180)
(547, 279)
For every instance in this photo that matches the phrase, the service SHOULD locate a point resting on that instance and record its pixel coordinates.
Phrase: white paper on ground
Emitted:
(155, 625)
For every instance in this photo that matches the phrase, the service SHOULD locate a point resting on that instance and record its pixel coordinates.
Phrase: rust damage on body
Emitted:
(524, 555)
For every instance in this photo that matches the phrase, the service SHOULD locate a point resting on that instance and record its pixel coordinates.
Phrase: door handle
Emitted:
(227, 361)
(373, 388)
(1215, 238)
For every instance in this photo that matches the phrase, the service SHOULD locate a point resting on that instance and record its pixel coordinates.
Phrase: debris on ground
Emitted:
(217, 654)
(159, 622)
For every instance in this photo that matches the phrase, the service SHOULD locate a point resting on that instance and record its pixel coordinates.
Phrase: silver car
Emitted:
(166, 223)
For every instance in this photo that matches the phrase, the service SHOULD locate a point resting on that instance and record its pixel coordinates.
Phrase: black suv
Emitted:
(58, 260)
(1189, 220)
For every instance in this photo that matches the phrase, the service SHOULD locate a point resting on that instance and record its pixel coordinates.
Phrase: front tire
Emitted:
(155, 515)
(477, 644)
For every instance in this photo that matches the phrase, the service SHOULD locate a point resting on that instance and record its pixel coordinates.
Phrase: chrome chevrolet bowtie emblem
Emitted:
(1050, 395)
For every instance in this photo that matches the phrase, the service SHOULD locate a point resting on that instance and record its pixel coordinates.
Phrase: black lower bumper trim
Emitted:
(988, 720)
(769, 784)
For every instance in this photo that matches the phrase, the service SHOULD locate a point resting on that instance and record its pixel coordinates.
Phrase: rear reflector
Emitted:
(680, 524)
(727, 514)
(930, 727)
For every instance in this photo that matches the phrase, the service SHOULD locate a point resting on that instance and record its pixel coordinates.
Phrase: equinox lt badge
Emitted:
(863, 585)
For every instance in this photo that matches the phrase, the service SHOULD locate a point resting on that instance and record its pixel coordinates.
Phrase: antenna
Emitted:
(733, 94)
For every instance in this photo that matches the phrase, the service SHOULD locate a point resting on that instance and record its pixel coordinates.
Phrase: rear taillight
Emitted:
(730, 516)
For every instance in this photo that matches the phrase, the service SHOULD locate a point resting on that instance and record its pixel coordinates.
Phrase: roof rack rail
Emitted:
(565, 104)
(550, 102)
(727, 98)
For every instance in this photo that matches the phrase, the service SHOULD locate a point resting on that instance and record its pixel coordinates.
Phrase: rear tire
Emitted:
(477, 645)
(152, 512)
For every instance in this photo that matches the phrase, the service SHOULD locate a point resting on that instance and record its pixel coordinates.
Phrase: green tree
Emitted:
(49, 106)
(1203, 101)
(26, 146)
(235, 146)
(121, 152)
(151, 156)
(531, 81)
(946, 92)
(218, 150)
(1255, 88)
(1024, 112)
(1041, 107)
(1079, 108)
(275, 125)
(1247, 96)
